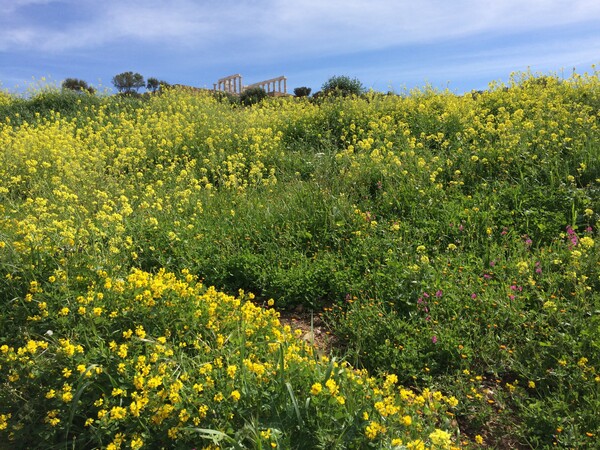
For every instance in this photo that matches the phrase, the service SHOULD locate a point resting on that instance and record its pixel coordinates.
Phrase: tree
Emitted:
(74, 84)
(302, 91)
(152, 84)
(127, 82)
(343, 85)
(252, 95)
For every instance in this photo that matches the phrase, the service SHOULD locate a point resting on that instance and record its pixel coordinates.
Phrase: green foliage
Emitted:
(252, 96)
(152, 84)
(77, 85)
(449, 240)
(46, 104)
(302, 91)
(343, 85)
(226, 97)
(128, 82)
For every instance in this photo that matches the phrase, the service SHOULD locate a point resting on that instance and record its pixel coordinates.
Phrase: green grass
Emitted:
(448, 240)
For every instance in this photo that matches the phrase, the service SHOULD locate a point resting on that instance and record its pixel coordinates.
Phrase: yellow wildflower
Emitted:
(316, 388)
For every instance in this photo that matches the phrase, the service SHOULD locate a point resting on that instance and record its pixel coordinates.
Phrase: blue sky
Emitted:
(387, 45)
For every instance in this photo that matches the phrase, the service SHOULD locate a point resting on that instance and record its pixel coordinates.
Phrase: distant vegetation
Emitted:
(252, 96)
(449, 242)
(153, 84)
(343, 85)
(128, 82)
(77, 85)
(302, 91)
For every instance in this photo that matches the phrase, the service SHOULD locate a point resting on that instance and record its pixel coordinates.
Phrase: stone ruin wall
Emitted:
(233, 85)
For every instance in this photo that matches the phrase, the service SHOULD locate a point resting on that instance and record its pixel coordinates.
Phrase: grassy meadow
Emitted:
(450, 243)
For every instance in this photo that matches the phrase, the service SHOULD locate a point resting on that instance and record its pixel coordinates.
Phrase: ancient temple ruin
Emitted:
(233, 85)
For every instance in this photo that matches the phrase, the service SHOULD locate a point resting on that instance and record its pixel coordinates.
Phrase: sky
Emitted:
(461, 45)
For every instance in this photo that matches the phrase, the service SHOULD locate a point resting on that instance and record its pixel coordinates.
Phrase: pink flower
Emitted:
(434, 339)
(572, 235)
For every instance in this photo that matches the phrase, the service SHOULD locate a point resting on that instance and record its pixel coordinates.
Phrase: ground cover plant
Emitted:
(147, 246)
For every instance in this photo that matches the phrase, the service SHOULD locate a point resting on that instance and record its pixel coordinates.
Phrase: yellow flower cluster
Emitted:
(186, 373)
(101, 213)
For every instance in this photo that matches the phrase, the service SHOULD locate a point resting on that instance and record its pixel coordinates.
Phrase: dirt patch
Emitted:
(313, 328)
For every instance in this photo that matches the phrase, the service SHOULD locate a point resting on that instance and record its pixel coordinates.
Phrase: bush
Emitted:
(343, 85)
(302, 91)
(77, 85)
(226, 97)
(253, 95)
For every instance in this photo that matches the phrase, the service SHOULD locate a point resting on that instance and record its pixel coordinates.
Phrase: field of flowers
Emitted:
(148, 245)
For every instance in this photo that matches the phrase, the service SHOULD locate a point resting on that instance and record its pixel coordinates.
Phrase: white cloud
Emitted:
(381, 23)
(195, 41)
(277, 27)
(9, 6)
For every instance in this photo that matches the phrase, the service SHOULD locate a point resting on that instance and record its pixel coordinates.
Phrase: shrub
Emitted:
(302, 91)
(343, 85)
(253, 95)
(226, 97)
(77, 85)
